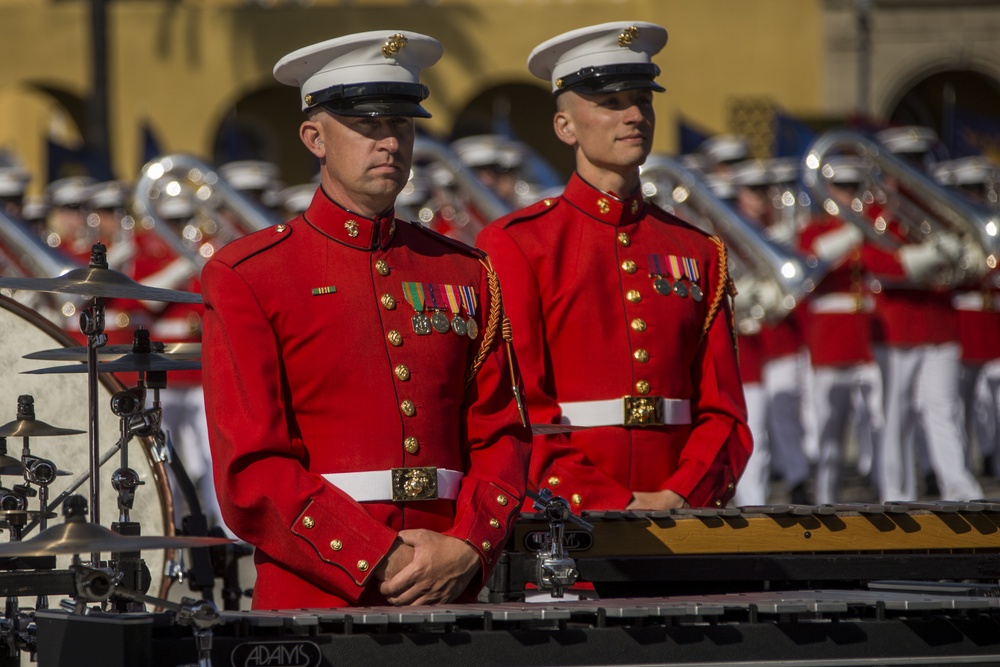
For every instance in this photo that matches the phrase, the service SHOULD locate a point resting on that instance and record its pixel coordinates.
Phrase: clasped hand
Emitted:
(426, 567)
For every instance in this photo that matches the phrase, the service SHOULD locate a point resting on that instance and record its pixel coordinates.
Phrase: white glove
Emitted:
(949, 245)
(919, 260)
(834, 245)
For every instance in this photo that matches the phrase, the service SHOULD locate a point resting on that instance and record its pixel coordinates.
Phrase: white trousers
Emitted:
(842, 396)
(920, 385)
(790, 425)
(185, 420)
(981, 402)
(754, 485)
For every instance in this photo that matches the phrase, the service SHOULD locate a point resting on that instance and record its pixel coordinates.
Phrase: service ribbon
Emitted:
(675, 267)
(469, 299)
(454, 299)
(414, 295)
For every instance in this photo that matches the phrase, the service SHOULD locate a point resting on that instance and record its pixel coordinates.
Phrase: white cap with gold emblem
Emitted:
(602, 58)
(366, 74)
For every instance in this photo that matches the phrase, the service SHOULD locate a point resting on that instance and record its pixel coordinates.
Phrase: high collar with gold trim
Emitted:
(351, 229)
(602, 206)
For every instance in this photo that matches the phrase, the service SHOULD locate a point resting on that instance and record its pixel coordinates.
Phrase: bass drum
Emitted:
(62, 400)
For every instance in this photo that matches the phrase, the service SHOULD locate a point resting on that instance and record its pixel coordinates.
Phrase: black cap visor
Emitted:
(372, 99)
(612, 79)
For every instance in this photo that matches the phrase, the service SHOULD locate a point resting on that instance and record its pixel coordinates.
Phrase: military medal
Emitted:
(439, 321)
(691, 268)
(469, 301)
(414, 294)
(661, 285)
(680, 289)
(455, 305)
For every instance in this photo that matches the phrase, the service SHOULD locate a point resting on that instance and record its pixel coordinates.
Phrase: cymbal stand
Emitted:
(94, 585)
(92, 326)
(40, 472)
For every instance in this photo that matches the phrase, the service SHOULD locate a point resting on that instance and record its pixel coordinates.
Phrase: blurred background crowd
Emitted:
(845, 150)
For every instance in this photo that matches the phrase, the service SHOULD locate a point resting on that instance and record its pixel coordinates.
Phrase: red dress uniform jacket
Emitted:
(312, 366)
(838, 330)
(588, 324)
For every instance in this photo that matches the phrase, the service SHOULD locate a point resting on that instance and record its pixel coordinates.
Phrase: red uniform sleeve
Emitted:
(267, 496)
(498, 445)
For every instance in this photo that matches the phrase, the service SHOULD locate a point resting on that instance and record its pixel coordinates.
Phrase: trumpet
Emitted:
(771, 278)
(924, 209)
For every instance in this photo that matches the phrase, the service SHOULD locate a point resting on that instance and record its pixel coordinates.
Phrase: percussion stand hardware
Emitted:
(95, 585)
(556, 571)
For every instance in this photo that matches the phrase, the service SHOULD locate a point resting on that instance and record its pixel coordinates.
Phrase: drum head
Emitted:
(62, 400)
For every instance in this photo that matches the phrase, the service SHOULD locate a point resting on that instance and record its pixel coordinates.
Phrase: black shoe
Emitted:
(799, 495)
(931, 487)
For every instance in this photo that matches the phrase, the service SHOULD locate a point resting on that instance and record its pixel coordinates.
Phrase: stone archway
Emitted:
(263, 125)
(962, 106)
(521, 110)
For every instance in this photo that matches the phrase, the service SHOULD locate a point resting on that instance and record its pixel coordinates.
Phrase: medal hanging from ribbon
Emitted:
(677, 271)
(436, 302)
(414, 295)
(658, 268)
(454, 297)
(469, 301)
(693, 274)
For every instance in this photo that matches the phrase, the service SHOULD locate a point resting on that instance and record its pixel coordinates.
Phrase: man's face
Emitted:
(366, 161)
(612, 131)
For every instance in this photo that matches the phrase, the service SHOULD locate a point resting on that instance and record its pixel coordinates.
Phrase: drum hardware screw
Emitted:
(807, 535)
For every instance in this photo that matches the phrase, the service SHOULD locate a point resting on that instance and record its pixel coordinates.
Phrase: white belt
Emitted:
(627, 411)
(176, 327)
(841, 302)
(971, 301)
(398, 484)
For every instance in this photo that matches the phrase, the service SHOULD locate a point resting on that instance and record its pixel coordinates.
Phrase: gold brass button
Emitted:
(718, 503)
(494, 523)
(553, 481)
(382, 267)
(336, 545)
(411, 445)
(638, 324)
(281, 228)
(502, 499)
(730, 486)
(628, 266)
(547, 202)
(402, 372)
(363, 565)
(486, 545)
(577, 499)
(641, 355)
(395, 338)
(642, 387)
(408, 408)
(388, 302)
(624, 239)
(308, 521)
(633, 296)
(603, 206)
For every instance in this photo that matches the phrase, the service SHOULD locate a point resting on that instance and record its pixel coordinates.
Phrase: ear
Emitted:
(562, 123)
(311, 134)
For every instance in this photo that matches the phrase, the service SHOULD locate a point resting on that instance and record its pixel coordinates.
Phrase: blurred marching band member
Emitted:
(609, 296)
(785, 364)
(259, 180)
(66, 223)
(13, 185)
(916, 345)
(295, 199)
(496, 161)
(978, 307)
(845, 379)
(722, 151)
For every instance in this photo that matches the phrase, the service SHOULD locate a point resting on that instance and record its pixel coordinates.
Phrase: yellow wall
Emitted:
(182, 65)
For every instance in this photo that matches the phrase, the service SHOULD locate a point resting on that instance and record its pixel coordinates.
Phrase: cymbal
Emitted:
(94, 281)
(138, 362)
(33, 428)
(80, 537)
(175, 351)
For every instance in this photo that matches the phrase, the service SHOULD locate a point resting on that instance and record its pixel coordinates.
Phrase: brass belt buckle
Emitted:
(414, 484)
(643, 411)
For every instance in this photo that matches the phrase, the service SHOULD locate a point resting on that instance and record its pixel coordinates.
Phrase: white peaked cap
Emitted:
(601, 58)
(364, 74)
